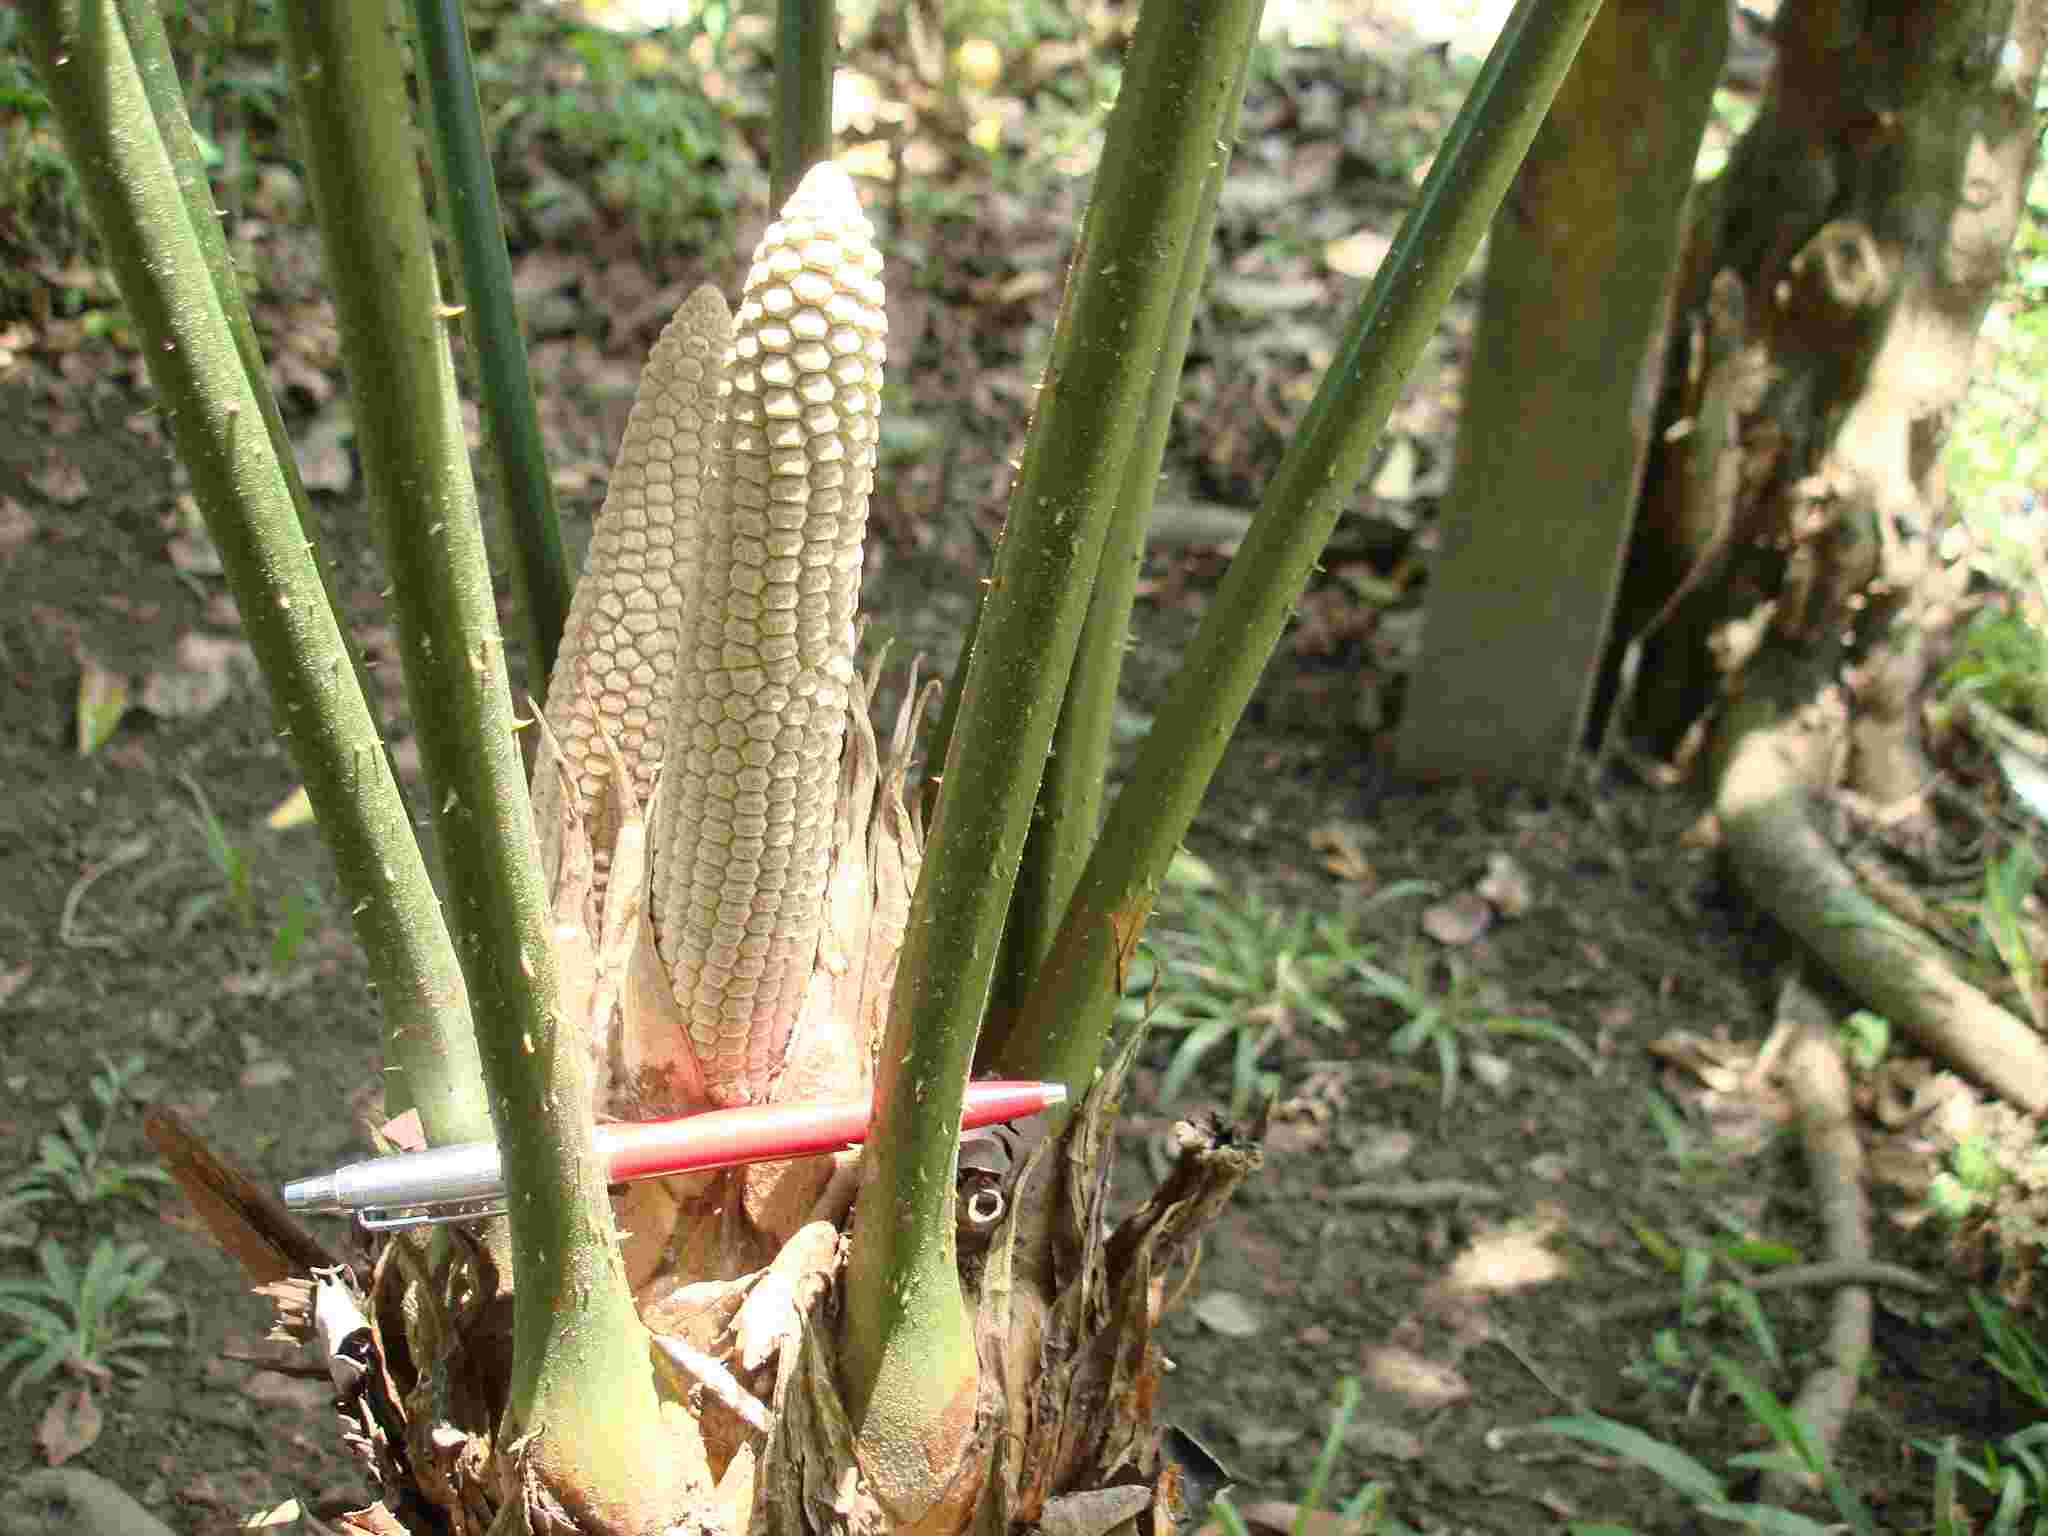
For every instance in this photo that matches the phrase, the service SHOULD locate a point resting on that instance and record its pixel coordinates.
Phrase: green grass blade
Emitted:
(1945, 1462)
(291, 931)
(1198, 1043)
(1764, 1406)
(55, 1353)
(1349, 1395)
(2012, 1504)
(2013, 1351)
(1742, 1301)
(1770, 1520)
(1244, 1071)
(34, 1317)
(1547, 1030)
(1447, 1066)
(1694, 1267)
(1680, 1471)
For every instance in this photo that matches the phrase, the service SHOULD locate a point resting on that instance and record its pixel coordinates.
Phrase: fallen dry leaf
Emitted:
(16, 526)
(61, 481)
(274, 1389)
(1424, 1384)
(323, 451)
(1723, 1065)
(1094, 1511)
(199, 679)
(12, 978)
(294, 810)
(1506, 885)
(279, 1517)
(266, 1074)
(1504, 1260)
(196, 1105)
(191, 547)
(1459, 920)
(1342, 852)
(1394, 480)
(1228, 1313)
(1911, 1092)
(1357, 255)
(102, 701)
(1381, 1148)
(1491, 1070)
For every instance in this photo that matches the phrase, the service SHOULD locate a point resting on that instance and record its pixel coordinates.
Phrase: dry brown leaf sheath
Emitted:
(246, 1218)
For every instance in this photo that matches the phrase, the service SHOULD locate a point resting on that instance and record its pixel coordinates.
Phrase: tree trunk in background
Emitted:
(1830, 298)
(1559, 402)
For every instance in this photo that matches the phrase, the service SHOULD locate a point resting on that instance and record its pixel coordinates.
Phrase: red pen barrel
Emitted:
(718, 1138)
(765, 1133)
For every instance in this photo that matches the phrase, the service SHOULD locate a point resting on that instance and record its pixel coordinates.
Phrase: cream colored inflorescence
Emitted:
(744, 820)
(710, 653)
(615, 673)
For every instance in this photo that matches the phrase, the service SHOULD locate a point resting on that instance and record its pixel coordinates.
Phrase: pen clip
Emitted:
(395, 1218)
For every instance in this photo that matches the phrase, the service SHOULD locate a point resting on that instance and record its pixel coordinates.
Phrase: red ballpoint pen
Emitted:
(463, 1182)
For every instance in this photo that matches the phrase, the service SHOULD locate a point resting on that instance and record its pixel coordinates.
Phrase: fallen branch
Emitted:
(1791, 871)
(1818, 1083)
(1795, 1277)
(69, 932)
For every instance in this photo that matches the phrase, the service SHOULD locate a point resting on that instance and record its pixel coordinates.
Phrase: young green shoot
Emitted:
(1443, 1019)
(227, 859)
(73, 1162)
(101, 1318)
(231, 862)
(1243, 975)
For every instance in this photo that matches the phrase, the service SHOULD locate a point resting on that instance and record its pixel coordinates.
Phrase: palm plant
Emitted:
(719, 890)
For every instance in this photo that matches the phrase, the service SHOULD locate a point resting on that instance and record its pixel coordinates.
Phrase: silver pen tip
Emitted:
(314, 1194)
